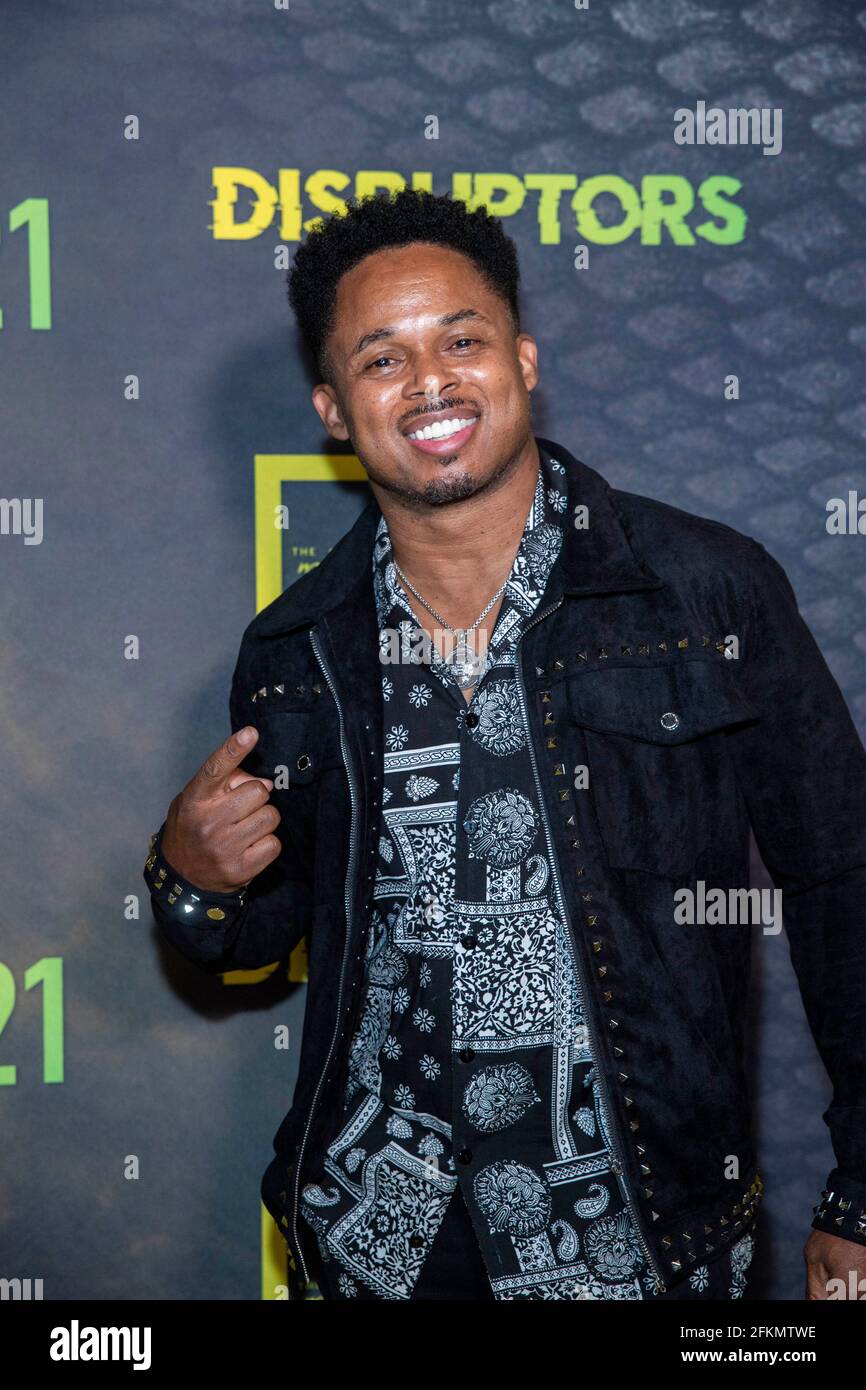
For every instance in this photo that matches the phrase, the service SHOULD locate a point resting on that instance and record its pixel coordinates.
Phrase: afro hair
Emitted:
(392, 219)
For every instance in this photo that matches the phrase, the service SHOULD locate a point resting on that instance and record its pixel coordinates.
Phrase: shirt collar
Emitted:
(538, 549)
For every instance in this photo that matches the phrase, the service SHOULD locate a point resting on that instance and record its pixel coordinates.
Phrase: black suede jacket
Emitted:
(623, 670)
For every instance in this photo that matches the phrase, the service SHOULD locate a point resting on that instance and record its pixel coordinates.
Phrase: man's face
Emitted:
(419, 338)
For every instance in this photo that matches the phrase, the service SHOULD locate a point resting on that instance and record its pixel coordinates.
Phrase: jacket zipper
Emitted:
(348, 897)
(618, 1166)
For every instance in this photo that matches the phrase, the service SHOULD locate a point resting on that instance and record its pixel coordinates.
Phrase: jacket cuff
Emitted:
(842, 1208)
(182, 901)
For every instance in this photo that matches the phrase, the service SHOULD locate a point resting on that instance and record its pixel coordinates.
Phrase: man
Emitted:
(524, 716)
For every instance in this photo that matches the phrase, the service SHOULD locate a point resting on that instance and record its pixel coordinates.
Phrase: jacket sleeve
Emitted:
(242, 931)
(802, 769)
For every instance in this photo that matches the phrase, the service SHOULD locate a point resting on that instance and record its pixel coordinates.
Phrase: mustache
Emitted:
(431, 407)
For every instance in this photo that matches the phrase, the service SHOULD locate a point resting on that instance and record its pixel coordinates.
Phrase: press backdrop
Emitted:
(160, 162)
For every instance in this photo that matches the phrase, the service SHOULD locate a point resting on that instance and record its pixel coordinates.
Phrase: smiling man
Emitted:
(520, 713)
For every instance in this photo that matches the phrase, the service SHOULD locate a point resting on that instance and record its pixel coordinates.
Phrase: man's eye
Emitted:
(380, 361)
(466, 340)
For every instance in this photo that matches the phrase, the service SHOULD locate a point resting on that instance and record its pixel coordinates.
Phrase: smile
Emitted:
(443, 436)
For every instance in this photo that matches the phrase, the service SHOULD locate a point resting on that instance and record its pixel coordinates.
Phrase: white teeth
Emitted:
(441, 429)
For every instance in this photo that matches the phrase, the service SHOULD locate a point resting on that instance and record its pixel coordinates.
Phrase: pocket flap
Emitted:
(294, 741)
(667, 704)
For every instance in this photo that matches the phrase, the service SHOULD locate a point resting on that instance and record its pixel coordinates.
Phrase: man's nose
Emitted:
(430, 378)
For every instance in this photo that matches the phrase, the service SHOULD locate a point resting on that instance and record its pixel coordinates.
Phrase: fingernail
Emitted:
(246, 734)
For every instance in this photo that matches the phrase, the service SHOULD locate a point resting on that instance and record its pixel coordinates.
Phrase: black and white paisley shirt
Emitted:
(472, 1062)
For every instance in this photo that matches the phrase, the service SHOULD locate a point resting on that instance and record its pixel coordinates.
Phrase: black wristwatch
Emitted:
(184, 901)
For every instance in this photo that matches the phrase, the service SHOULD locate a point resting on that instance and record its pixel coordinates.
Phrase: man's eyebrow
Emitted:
(464, 314)
(378, 334)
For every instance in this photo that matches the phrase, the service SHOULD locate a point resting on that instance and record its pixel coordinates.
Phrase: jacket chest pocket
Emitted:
(656, 758)
(295, 747)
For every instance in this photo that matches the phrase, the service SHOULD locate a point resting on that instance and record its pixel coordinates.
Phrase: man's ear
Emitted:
(527, 354)
(327, 408)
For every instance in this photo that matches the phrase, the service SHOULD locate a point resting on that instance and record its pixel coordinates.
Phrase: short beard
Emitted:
(440, 492)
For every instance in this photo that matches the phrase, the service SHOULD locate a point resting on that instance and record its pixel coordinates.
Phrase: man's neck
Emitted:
(458, 555)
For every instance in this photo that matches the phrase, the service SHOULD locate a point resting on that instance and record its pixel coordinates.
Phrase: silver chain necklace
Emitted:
(464, 665)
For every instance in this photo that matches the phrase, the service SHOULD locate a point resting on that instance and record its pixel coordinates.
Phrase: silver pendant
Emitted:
(465, 665)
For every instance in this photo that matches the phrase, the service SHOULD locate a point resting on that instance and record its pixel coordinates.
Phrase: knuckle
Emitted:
(221, 845)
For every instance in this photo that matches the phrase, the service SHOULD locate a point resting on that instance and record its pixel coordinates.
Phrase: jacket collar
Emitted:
(597, 558)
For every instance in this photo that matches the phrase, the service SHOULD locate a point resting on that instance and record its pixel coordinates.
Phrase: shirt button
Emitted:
(464, 1156)
(416, 1242)
(466, 1054)
(467, 942)
(471, 719)
(469, 826)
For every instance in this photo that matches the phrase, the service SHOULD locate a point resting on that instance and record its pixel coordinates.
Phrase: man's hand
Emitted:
(219, 829)
(832, 1258)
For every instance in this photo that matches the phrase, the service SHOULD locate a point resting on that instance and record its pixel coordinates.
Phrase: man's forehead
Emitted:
(377, 300)
(413, 276)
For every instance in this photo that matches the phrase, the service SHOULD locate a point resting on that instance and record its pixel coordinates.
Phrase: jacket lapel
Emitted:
(597, 555)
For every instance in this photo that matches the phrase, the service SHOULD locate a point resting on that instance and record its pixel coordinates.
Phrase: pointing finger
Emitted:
(225, 759)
